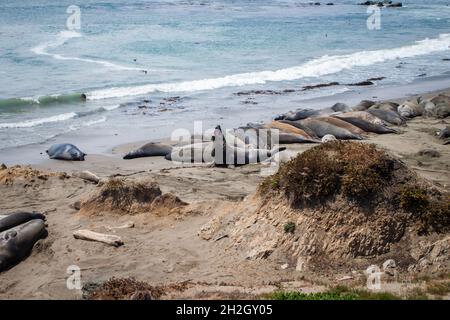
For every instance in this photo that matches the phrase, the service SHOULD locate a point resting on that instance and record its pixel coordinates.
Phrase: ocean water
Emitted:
(147, 67)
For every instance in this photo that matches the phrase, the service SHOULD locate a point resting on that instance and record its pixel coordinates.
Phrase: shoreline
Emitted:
(100, 145)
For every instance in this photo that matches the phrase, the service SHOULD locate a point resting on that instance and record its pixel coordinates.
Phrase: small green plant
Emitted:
(414, 199)
(438, 288)
(336, 293)
(289, 227)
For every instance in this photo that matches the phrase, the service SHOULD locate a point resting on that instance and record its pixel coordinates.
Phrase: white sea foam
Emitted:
(40, 121)
(315, 68)
(63, 37)
(61, 117)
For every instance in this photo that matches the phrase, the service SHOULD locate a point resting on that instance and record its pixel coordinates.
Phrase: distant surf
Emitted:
(58, 118)
(325, 65)
(63, 37)
(43, 100)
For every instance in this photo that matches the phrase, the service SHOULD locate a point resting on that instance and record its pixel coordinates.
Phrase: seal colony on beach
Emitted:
(302, 125)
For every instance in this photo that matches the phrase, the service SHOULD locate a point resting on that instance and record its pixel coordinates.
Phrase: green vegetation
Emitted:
(414, 199)
(337, 293)
(289, 227)
(438, 288)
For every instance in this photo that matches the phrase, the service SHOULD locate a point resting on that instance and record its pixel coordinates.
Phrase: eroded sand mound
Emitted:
(26, 174)
(344, 205)
(129, 197)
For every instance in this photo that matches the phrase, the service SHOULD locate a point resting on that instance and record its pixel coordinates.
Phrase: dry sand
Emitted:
(164, 249)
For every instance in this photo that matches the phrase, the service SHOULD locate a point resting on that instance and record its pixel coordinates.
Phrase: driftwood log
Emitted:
(108, 239)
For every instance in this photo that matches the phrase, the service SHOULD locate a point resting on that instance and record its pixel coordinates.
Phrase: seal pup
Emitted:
(322, 128)
(65, 151)
(16, 244)
(328, 137)
(151, 149)
(17, 218)
(224, 154)
(297, 124)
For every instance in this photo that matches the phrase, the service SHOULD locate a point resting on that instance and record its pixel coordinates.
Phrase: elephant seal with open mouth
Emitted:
(225, 154)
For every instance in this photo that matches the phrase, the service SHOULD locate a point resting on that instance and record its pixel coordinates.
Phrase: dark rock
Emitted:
(429, 153)
(321, 85)
(362, 83)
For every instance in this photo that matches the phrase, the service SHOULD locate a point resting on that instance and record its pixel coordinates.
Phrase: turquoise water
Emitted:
(146, 66)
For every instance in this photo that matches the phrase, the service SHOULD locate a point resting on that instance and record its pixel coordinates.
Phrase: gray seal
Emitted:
(65, 151)
(16, 244)
(17, 218)
(151, 149)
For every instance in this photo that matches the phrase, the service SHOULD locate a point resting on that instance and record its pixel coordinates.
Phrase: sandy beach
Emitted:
(182, 250)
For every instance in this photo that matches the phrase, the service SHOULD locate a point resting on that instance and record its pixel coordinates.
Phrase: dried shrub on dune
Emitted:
(122, 196)
(362, 174)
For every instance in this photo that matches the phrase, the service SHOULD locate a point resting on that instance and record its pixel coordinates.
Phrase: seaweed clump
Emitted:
(125, 289)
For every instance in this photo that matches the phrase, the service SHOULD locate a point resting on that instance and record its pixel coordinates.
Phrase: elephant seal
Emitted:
(387, 106)
(298, 114)
(342, 124)
(151, 149)
(224, 154)
(17, 218)
(201, 152)
(297, 124)
(322, 128)
(340, 107)
(410, 109)
(288, 128)
(255, 137)
(363, 115)
(65, 151)
(368, 126)
(363, 105)
(16, 244)
(442, 106)
(388, 116)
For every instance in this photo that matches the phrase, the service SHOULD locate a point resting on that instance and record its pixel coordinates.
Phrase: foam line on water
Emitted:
(325, 65)
(63, 37)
